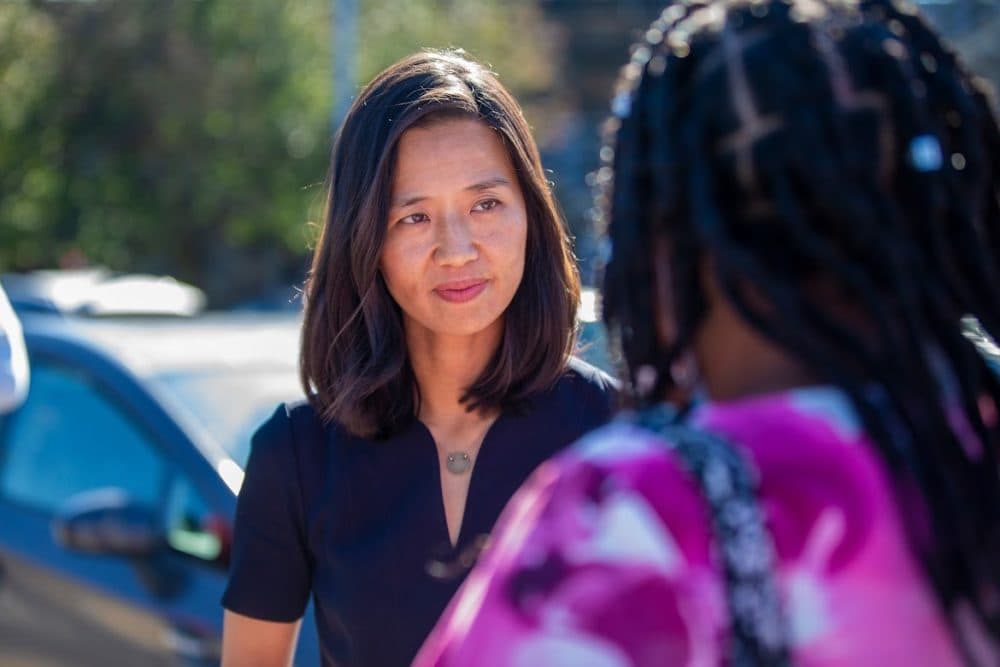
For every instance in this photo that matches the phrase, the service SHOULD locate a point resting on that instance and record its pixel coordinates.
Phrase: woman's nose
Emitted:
(456, 245)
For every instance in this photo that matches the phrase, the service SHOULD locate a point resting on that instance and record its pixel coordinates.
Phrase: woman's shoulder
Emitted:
(639, 464)
(585, 385)
(296, 430)
(295, 446)
(585, 374)
(581, 399)
(296, 422)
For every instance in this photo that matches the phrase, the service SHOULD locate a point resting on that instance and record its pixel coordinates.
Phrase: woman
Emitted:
(804, 208)
(439, 321)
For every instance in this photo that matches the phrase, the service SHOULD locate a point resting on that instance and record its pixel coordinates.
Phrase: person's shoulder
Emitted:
(294, 443)
(584, 382)
(297, 425)
(304, 419)
(618, 442)
(582, 398)
(583, 371)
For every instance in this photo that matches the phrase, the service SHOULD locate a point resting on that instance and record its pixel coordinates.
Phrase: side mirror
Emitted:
(108, 522)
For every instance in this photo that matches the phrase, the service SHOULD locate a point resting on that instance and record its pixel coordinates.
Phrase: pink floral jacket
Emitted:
(604, 558)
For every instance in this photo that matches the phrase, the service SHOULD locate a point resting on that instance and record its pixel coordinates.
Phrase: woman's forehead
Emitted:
(450, 155)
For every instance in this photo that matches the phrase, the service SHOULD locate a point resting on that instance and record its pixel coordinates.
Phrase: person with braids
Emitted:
(803, 204)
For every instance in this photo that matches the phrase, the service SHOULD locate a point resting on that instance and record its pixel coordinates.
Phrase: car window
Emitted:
(69, 437)
(192, 528)
(230, 404)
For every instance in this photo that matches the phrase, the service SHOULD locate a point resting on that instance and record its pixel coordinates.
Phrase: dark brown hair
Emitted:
(354, 365)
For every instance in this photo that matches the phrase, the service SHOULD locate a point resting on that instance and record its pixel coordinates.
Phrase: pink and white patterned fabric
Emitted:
(605, 557)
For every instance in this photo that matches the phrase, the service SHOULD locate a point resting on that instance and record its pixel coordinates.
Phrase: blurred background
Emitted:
(191, 137)
(161, 182)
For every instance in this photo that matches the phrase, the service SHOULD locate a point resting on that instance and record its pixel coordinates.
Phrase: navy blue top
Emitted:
(360, 524)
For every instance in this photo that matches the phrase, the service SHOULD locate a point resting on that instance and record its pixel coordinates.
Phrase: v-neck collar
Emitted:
(474, 474)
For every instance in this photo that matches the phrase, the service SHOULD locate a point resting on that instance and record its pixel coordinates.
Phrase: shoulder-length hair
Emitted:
(354, 365)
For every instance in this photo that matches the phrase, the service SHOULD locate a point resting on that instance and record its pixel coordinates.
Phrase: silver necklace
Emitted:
(458, 463)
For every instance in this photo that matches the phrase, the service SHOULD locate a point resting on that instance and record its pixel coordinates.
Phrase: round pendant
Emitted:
(458, 463)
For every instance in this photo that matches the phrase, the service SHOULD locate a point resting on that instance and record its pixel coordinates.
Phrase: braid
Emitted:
(805, 144)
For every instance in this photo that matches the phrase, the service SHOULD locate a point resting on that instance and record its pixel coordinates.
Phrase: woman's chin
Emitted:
(459, 325)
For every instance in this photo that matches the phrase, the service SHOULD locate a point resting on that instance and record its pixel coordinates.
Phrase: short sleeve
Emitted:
(270, 569)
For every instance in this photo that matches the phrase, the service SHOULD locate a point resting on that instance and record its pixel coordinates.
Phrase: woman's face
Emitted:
(454, 248)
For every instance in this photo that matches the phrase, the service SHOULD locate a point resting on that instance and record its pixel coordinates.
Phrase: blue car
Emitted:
(118, 482)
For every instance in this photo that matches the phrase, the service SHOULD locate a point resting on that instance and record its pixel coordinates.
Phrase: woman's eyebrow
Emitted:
(489, 183)
(498, 181)
(409, 201)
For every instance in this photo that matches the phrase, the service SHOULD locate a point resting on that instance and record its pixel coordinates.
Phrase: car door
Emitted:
(79, 432)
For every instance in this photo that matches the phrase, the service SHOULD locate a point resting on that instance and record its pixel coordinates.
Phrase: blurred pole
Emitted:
(344, 30)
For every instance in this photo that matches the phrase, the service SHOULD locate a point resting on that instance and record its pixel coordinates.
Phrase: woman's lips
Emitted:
(460, 291)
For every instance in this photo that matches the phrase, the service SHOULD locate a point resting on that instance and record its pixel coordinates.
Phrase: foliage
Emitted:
(191, 137)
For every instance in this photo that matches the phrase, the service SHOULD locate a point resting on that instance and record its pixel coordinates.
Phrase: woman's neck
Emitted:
(444, 368)
(736, 361)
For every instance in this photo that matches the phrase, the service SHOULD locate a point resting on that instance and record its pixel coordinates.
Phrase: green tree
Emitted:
(192, 137)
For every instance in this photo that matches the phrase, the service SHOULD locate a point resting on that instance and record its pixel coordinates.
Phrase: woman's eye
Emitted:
(486, 205)
(413, 219)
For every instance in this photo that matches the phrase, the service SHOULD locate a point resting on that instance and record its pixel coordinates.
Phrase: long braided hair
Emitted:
(838, 143)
